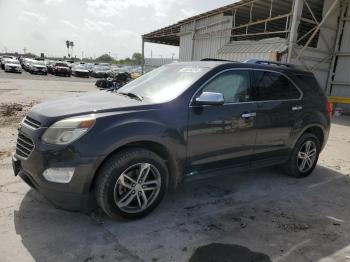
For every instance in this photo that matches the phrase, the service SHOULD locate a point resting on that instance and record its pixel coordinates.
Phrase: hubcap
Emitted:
(137, 187)
(306, 156)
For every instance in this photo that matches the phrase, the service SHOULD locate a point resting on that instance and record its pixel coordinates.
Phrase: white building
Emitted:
(312, 33)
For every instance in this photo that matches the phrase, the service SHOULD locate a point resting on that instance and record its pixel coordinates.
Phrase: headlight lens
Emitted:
(68, 130)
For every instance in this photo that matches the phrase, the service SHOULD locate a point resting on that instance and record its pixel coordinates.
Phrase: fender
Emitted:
(307, 120)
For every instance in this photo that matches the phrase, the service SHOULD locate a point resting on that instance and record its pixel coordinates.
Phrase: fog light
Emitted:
(59, 174)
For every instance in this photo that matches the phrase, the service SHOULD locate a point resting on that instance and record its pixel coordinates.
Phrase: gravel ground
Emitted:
(260, 215)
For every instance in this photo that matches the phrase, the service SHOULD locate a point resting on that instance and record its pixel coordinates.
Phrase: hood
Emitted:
(81, 70)
(39, 66)
(15, 65)
(62, 67)
(94, 102)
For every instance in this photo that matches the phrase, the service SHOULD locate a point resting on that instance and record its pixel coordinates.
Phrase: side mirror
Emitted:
(210, 98)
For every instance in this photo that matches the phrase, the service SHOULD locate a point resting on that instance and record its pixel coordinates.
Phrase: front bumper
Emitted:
(75, 195)
(13, 69)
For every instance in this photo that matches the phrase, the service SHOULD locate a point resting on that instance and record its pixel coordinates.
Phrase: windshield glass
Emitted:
(13, 62)
(79, 67)
(61, 64)
(165, 83)
(101, 68)
(39, 63)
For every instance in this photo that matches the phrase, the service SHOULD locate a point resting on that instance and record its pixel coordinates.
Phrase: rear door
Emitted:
(223, 135)
(278, 108)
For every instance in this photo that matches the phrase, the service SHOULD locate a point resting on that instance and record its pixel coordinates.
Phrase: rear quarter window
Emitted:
(273, 86)
(310, 85)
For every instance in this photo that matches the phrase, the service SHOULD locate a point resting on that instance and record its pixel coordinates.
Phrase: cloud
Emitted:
(32, 17)
(38, 36)
(68, 24)
(53, 2)
(101, 26)
(109, 8)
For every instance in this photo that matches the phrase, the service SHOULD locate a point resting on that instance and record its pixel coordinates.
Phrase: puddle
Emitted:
(217, 252)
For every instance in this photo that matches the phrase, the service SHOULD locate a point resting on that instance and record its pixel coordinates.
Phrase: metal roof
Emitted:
(262, 46)
(170, 35)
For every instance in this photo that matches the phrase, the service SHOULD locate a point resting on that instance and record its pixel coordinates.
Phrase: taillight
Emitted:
(329, 109)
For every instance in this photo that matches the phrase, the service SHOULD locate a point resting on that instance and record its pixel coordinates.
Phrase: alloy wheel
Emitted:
(306, 156)
(137, 187)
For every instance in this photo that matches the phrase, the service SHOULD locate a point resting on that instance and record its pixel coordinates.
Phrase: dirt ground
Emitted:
(260, 215)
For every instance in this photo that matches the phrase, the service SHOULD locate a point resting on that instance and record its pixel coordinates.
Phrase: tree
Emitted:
(68, 44)
(137, 57)
(71, 44)
(106, 58)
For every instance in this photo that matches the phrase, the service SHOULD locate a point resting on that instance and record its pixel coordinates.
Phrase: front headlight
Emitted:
(68, 130)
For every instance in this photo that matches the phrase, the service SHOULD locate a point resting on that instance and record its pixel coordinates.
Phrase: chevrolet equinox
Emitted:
(122, 150)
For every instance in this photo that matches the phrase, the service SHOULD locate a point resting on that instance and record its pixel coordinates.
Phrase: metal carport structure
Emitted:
(312, 33)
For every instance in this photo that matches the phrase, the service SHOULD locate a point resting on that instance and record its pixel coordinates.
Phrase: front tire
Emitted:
(304, 156)
(131, 183)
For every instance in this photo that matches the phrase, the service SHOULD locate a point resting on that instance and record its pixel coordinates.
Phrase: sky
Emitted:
(95, 26)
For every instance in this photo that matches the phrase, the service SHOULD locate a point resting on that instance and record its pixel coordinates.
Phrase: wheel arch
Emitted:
(161, 150)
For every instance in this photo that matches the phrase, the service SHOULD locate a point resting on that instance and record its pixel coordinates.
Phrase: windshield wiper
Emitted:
(131, 95)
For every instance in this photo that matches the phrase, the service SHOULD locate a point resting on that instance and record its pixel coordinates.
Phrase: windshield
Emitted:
(39, 62)
(165, 83)
(79, 67)
(61, 64)
(101, 68)
(13, 62)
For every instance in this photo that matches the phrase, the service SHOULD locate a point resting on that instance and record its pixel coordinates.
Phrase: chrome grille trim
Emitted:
(31, 122)
(24, 146)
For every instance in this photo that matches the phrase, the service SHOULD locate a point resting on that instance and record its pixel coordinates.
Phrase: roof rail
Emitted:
(266, 62)
(214, 59)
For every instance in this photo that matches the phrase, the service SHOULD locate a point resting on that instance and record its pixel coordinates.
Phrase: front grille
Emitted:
(32, 122)
(24, 146)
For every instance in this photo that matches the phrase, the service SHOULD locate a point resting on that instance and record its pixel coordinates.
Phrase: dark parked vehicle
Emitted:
(80, 71)
(37, 67)
(123, 150)
(100, 71)
(116, 82)
(61, 68)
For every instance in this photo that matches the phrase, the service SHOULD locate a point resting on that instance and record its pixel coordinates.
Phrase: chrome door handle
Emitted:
(248, 115)
(297, 108)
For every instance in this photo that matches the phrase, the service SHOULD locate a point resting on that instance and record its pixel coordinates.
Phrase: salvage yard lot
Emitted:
(261, 213)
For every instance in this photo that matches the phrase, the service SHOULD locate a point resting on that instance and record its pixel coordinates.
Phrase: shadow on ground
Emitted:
(260, 214)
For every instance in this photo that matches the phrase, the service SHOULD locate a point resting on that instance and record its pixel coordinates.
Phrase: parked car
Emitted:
(80, 71)
(100, 71)
(13, 65)
(50, 64)
(123, 150)
(38, 67)
(26, 64)
(3, 60)
(61, 68)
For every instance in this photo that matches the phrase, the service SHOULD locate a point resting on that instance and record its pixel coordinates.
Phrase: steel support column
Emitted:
(293, 35)
(143, 56)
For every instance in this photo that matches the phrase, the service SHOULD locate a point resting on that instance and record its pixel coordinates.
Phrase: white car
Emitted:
(13, 65)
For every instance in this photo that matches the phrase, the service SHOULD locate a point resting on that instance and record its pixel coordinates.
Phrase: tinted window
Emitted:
(273, 86)
(310, 84)
(234, 85)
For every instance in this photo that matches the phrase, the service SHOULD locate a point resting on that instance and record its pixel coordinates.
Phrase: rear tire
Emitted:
(304, 156)
(131, 183)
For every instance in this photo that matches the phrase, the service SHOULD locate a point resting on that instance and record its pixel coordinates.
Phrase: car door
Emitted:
(222, 135)
(278, 108)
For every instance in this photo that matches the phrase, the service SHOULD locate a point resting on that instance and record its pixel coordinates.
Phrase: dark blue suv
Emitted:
(122, 150)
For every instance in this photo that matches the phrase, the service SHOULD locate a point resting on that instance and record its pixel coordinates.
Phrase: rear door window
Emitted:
(273, 86)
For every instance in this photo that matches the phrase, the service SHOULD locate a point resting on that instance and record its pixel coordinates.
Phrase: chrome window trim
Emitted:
(191, 104)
